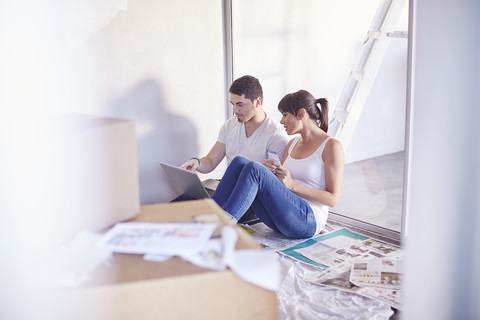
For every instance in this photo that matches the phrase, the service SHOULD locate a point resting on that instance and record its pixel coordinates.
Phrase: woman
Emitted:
(293, 197)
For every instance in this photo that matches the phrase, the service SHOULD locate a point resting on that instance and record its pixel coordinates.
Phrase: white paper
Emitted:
(255, 266)
(71, 264)
(160, 238)
(157, 257)
(217, 253)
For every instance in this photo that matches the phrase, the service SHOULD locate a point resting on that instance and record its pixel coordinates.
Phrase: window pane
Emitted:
(313, 45)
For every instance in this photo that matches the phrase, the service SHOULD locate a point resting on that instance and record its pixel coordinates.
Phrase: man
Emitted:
(250, 133)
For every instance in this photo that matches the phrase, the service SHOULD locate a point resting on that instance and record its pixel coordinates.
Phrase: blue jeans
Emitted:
(249, 183)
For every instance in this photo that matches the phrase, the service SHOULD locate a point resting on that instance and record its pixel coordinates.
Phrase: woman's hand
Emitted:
(284, 175)
(270, 164)
(281, 172)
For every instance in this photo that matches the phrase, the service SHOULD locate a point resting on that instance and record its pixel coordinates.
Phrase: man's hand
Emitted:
(191, 164)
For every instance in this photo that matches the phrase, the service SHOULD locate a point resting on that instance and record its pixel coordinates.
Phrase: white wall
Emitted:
(161, 64)
(443, 242)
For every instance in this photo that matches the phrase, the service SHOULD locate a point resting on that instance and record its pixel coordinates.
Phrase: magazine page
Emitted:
(318, 251)
(323, 252)
(385, 273)
(368, 249)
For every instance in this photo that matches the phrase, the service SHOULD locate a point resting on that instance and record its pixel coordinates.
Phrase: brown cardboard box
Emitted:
(132, 288)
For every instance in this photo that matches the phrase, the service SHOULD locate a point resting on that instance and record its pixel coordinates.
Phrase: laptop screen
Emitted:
(185, 182)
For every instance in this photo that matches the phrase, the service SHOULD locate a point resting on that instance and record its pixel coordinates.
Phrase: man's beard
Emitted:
(246, 118)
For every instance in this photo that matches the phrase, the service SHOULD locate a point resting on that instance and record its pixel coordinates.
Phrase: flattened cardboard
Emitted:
(132, 288)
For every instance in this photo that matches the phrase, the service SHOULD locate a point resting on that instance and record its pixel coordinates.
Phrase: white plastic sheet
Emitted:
(302, 300)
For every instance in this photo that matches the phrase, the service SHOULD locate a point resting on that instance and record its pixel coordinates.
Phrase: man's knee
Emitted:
(255, 167)
(239, 160)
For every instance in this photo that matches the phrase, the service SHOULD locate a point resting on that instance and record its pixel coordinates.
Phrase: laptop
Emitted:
(187, 182)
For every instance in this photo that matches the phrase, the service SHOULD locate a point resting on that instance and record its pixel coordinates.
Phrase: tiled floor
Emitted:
(372, 191)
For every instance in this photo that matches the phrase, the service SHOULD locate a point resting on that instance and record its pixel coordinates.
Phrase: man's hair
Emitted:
(249, 86)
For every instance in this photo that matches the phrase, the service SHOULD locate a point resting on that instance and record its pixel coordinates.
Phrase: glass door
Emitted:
(315, 45)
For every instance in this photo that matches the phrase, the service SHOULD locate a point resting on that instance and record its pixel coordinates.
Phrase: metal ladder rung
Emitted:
(374, 34)
(357, 75)
(341, 116)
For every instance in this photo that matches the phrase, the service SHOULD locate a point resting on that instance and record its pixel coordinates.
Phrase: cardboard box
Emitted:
(97, 173)
(132, 288)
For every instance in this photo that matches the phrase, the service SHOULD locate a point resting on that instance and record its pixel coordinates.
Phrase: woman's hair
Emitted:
(247, 85)
(293, 102)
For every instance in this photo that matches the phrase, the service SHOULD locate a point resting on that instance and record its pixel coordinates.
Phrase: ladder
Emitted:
(359, 83)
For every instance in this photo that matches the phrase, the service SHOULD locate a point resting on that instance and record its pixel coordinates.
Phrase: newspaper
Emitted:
(339, 277)
(385, 273)
(346, 260)
(268, 238)
(364, 266)
(391, 297)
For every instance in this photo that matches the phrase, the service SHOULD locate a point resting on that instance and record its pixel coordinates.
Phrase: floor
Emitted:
(372, 191)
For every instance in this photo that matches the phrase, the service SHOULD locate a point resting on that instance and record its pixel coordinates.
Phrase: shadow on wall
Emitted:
(161, 137)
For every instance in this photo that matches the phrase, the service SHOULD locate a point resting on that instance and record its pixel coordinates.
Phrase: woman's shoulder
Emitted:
(333, 141)
(333, 147)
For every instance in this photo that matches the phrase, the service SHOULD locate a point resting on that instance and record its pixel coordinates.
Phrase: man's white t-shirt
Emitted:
(269, 137)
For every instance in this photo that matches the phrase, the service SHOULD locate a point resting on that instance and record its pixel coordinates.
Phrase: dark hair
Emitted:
(247, 85)
(293, 102)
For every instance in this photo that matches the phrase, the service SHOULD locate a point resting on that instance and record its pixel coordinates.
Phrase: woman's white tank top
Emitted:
(310, 171)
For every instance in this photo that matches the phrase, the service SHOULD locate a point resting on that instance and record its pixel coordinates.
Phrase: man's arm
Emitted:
(277, 144)
(209, 162)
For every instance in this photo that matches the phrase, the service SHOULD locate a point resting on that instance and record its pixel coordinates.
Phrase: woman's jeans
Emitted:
(249, 183)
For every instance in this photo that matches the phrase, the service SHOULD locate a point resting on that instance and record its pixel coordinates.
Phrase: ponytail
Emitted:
(293, 102)
(322, 113)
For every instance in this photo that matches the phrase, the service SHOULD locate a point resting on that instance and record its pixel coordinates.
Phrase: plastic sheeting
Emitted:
(299, 299)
